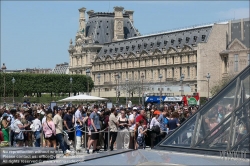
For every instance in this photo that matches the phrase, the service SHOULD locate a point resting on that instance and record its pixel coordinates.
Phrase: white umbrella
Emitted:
(83, 98)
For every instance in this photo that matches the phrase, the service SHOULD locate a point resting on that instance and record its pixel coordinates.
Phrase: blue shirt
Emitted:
(162, 122)
(96, 121)
(78, 131)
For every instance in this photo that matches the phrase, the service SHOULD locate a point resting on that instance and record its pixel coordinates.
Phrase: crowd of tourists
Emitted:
(104, 129)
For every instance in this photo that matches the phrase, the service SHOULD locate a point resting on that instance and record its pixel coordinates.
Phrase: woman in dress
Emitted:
(123, 131)
(49, 131)
(5, 127)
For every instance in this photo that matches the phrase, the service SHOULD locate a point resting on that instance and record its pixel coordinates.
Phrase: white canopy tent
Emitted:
(83, 98)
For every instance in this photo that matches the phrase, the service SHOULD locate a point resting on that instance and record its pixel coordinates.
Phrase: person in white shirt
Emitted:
(131, 118)
(156, 123)
(36, 128)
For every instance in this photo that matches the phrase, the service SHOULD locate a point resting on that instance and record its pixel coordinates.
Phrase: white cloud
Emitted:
(235, 13)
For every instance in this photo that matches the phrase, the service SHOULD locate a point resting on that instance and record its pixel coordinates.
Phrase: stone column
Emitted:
(118, 24)
(90, 12)
(130, 13)
(82, 19)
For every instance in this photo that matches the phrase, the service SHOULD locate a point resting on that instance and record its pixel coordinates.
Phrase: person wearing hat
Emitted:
(155, 128)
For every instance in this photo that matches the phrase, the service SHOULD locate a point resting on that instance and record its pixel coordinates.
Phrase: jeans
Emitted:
(60, 140)
(37, 136)
(113, 136)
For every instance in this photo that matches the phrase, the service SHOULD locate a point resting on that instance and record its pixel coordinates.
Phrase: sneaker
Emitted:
(68, 151)
(95, 151)
(88, 151)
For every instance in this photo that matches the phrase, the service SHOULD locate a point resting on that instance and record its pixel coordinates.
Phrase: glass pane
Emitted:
(210, 128)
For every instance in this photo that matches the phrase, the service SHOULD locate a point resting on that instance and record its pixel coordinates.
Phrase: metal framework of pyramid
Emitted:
(221, 125)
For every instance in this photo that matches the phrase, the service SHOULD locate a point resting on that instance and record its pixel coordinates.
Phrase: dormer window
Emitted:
(139, 46)
(187, 39)
(172, 41)
(195, 38)
(145, 45)
(110, 50)
(105, 51)
(179, 40)
(127, 47)
(158, 44)
(165, 42)
(133, 47)
(116, 49)
(152, 44)
(203, 37)
(121, 49)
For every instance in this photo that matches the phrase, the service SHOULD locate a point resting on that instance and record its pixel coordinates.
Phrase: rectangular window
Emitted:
(180, 71)
(145, 74)
(126, 74)
(248, 58)
(188, 71)
(195, 68)
(172, 72)
(236, 62)
(152, 74)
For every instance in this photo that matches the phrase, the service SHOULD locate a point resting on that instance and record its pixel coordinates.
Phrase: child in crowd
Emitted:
(78, 136)
(140, 137)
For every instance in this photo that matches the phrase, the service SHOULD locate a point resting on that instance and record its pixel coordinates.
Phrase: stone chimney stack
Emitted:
(118, 23)
(130, 13)
(82, 19)
(90, 12)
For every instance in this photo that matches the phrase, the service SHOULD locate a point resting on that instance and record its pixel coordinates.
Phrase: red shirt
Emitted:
(140, 117)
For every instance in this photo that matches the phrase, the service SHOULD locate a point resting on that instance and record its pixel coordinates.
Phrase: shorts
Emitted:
(51, 138)
(94, 136)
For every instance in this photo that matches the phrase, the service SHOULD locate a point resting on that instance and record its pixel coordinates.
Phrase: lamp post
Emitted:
(98, 77)
(13, 81)
(160, 77)
(4, 69)
(181, 80)
(88, 72)
(70, 81)
(208, 77)
(142, 97)
(126, 92)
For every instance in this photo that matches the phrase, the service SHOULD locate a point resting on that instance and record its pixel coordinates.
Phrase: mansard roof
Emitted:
(177, 39)
(101, 27)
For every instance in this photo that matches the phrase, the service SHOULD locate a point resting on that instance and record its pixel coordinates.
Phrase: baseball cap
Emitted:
(134, 108)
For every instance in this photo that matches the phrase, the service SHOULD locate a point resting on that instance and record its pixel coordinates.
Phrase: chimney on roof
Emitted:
(82, 19)
(118, 24)
(90, 12)
(130, 13)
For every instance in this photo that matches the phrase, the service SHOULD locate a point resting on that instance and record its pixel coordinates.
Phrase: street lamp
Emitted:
(13, 81)
(208, 77)
(4, 69)
(142, 99)
(160, 77)
(126, 92)
(181, 80)
(98, 77)
(88, 72)
(70, 80)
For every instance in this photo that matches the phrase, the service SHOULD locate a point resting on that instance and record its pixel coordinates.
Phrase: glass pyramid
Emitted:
(222, 124)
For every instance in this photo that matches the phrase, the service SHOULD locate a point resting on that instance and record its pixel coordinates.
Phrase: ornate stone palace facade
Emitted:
(108, 44)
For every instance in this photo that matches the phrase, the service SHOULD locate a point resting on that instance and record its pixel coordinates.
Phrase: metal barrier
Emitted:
(123, 139)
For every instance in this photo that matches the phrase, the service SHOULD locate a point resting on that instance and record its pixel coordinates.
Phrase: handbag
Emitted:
(19, 136)
(52, 137)
(156, 129)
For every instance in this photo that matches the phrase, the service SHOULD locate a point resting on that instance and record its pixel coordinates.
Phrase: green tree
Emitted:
(221, 84)
(27, 83)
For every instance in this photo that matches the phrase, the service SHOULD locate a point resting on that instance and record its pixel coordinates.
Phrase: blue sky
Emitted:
(37, 34)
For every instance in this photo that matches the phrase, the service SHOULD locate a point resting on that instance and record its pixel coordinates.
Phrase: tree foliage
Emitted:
(27, 83)
(221, 84)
